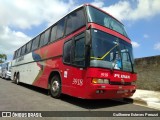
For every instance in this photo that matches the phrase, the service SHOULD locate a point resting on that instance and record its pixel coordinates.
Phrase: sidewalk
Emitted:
(147, 98)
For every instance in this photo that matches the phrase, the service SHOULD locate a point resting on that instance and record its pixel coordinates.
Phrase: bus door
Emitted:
(78, 61)
(74, 56)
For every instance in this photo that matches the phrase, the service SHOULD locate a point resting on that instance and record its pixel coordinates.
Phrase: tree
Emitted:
(3, 57)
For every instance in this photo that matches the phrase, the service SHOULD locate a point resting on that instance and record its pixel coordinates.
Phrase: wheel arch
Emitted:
(15, 73)
(53, 73)
(18, 73)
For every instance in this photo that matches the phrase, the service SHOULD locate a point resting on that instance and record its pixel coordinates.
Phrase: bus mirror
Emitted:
(88, 37)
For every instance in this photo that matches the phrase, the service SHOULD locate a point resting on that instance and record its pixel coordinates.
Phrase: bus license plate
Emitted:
(122, 91)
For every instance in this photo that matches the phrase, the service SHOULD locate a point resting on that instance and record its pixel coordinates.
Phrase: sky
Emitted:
(21, 20)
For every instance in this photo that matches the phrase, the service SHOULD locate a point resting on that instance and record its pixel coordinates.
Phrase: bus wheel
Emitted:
(17, 79)
(14, 78)
(55, 87)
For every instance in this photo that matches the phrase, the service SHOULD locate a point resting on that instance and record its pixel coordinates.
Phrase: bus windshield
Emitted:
(97, 16)
(108, 51)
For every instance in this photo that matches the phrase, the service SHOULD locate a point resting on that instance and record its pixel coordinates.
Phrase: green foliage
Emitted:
(3, 58)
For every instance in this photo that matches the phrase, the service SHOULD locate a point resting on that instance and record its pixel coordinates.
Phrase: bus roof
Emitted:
(78, 7)
(102, 11)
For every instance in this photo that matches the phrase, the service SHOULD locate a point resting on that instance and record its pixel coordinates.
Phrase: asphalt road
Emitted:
(29, 98)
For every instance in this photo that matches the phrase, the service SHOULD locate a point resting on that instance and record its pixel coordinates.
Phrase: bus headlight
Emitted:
(106, 81)
(100, 81)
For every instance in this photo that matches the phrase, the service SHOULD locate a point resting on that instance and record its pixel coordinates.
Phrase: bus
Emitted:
(5, 71)
(86, 54)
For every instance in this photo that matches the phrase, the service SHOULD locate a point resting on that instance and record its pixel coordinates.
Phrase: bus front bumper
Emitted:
(110, 91)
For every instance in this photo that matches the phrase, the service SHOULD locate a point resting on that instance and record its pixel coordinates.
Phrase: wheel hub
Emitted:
(55, 86)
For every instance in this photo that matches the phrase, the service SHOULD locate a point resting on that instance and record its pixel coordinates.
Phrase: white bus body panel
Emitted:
(26, 67)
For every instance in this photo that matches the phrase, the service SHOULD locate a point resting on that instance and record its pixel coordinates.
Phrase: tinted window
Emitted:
(28, 47)
(67, 52)
(74, 21)
(79, 55)
(35, 43)
(46, 37)
(53, 33)
(42, 40)
(19, 52)
(97, 16)
(60, 29)
(23, 50)
(108, 51)
(15, 54)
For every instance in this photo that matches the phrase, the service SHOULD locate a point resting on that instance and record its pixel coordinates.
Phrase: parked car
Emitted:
(6, 70)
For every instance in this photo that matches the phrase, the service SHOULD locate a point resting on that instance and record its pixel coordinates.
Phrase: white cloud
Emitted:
(124, 10)
(11, 40)
(24, 14)
(27, 13)
(157, 46)
(98, 3)
(119, 10)
(135, 44)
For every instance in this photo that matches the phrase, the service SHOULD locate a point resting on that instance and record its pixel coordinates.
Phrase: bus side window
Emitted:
(79, 55)
(35, 43)
(74, 21)
(60, 28)
(67, 52)
(28, 47)
(15, 55)
(53, 33)
(41, 40)
(19, 52)
(23, 50)
(46, 37)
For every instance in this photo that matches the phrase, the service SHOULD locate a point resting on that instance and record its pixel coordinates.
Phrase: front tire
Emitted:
(55, 86)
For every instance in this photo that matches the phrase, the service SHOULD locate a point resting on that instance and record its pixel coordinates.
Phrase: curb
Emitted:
(141, 102)
(136, 101)
(146, 98)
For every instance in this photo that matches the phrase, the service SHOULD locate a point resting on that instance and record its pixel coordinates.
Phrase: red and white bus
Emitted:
(86, 54)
